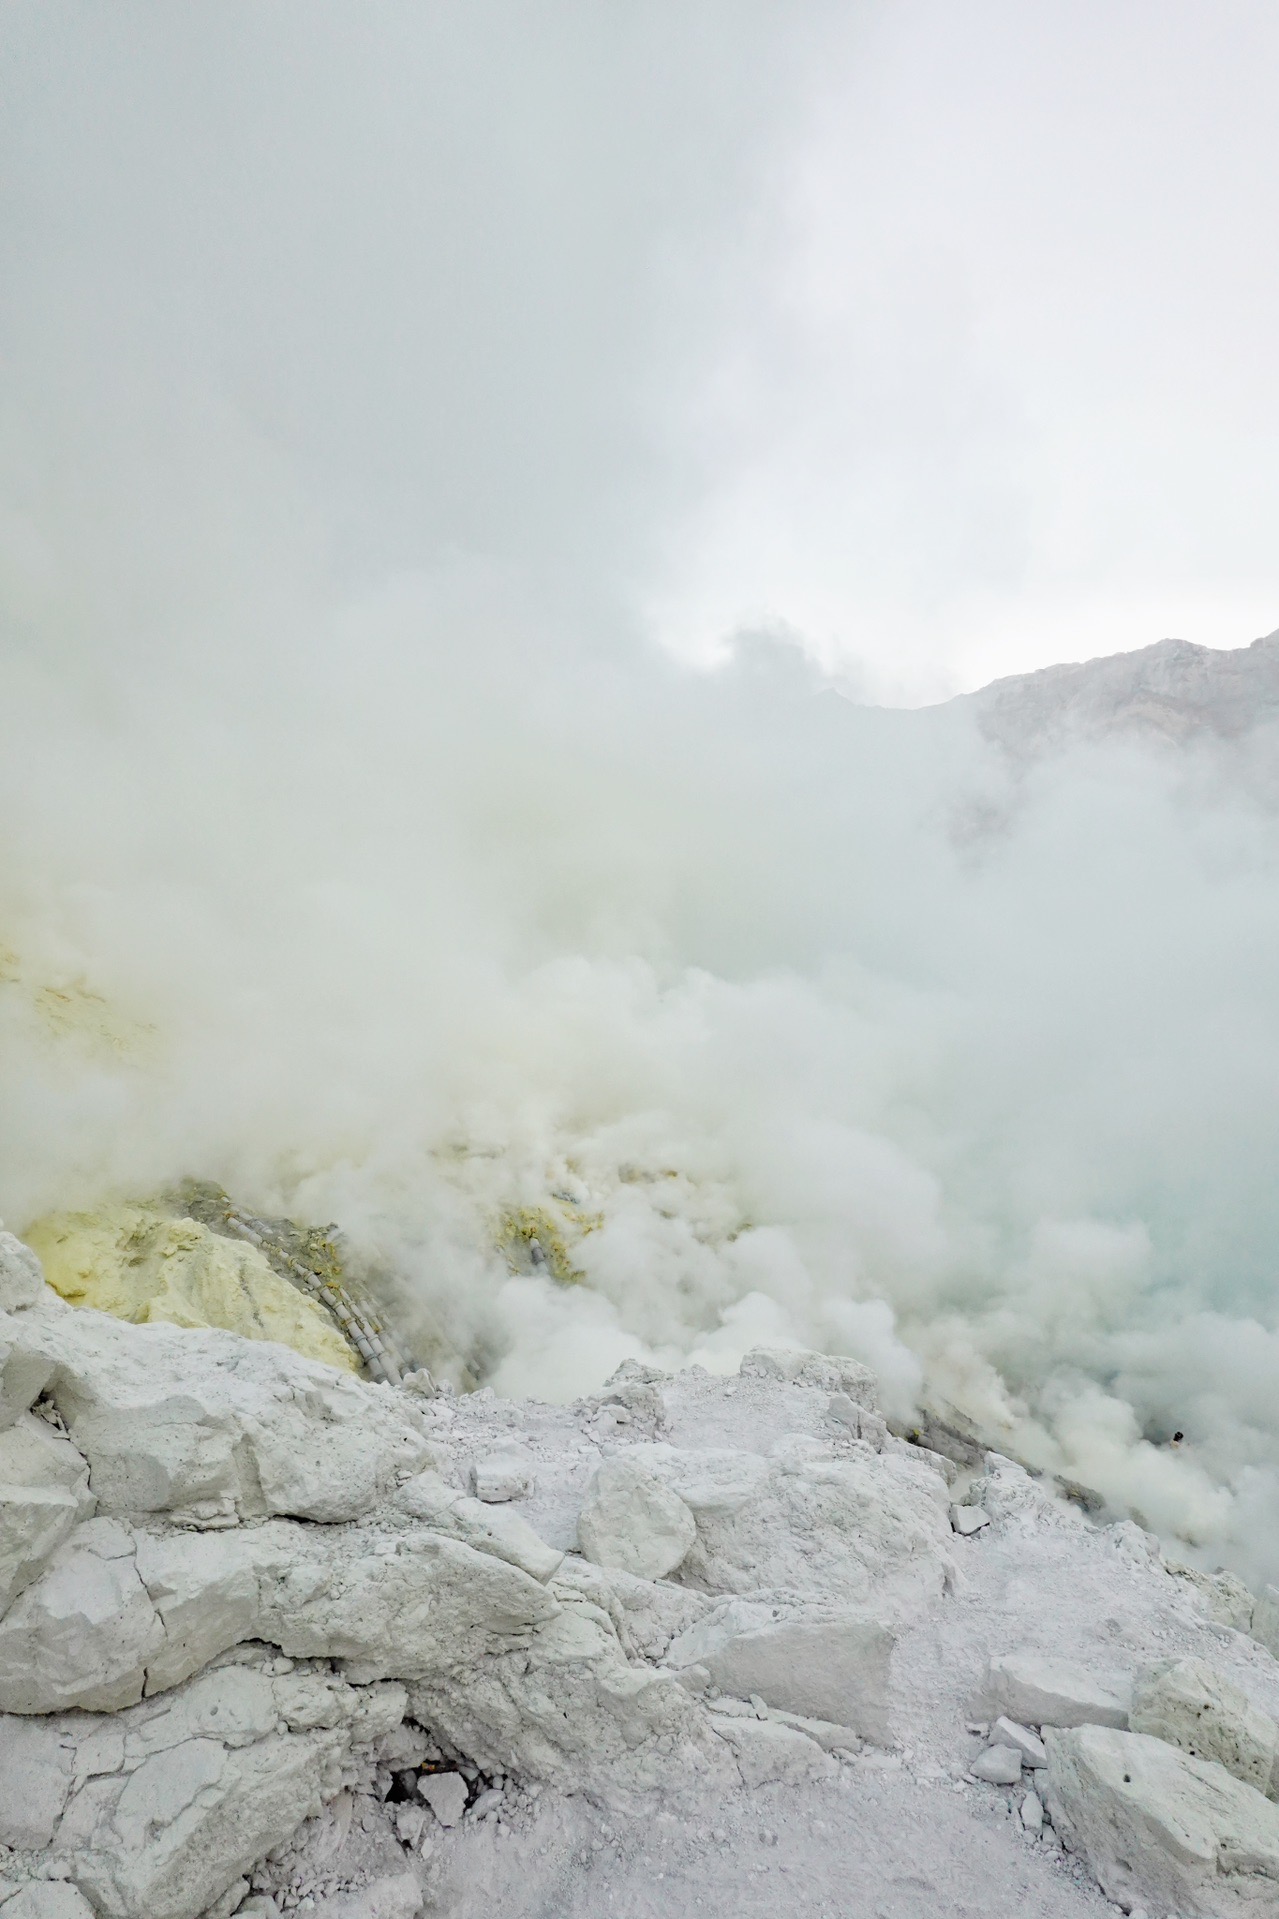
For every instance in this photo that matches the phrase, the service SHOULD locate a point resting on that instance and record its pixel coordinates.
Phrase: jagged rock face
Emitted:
(1172, 691)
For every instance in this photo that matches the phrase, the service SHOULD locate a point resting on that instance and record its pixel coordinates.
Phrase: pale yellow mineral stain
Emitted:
(141, 1264)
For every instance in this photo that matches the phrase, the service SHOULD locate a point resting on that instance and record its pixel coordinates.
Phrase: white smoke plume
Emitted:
(361, 851)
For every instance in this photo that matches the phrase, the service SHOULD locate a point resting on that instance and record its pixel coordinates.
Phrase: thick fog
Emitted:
(461, 468)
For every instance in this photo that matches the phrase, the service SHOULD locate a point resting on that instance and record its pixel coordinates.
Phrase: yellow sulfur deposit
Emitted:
(141, 1264)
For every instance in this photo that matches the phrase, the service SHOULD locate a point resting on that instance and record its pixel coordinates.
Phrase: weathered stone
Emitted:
(633, 1522)
(174, 1420)
(998, 1766)
(836, 1666)
(967, 1520)
(1198, 1710)
(445, 1794)
(769, 1753)
(830, 1372)
(82, 1634)
(1035, 1691)
(50, 1899)
(35, 1778)
(34, 1521)
(1265, 1619)
(1159, 1828)
(501, 1476)
(21, 1276)
(506, 1535)
(1006, 1732)
(1225, 1598)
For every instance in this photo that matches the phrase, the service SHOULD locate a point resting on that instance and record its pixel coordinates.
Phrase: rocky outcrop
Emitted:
(1159, 1828)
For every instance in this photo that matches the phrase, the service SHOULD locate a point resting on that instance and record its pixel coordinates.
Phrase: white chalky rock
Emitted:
(830, 1372)
(769, 1753)
(215, 1776)
(205, 1588)
(864, 1531)
(32, 1453)
(82, 1634)
(1036, 1691)
(392, 1896)
(998, 1766)
(633, 1522)
(501, 1476)
(1032, 1813)
(35, 1777)
(1265, 1619)
(1224, 1598)
(835, 1667)
(21, 1275)
(505, 1535)
(175, 1419)
(1156, 1826)
(34, 1521)
(445, 1794)
(968, 1520)
(52, 1899)
(1196, 1709)
(1006, 1732)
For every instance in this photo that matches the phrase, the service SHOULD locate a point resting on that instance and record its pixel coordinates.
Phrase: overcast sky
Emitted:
(940, 336)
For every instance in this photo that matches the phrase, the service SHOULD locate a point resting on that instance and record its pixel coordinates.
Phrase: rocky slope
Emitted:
(1173, 691)
(279, 1639)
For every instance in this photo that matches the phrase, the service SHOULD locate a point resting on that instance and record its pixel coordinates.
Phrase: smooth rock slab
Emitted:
(1161, 1829)
(1035, 1691)
(835, 1666)
(83, 1633)
(34, 1521)
(998, 1766)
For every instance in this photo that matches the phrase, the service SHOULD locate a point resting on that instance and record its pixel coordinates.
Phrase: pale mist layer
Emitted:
(832, 1025)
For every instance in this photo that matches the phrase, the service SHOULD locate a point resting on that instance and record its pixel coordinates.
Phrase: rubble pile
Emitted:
(276, 1638)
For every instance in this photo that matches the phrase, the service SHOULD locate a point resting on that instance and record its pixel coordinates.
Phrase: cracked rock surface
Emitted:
(275, 1639)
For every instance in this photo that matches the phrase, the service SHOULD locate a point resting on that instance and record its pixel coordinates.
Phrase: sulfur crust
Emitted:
(140, 1264)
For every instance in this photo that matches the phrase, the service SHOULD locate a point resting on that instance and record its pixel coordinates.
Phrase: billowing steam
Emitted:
(360, 853)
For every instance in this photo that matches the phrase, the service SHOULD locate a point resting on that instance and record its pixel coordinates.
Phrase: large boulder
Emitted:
(1162, 1830)
(82, 1634)
(634, 1523)
(211, 1426)
(1195, 1708)
(1038, 1691)
(833, 1666)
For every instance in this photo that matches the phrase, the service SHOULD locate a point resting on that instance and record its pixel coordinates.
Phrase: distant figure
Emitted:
(1177, 1438)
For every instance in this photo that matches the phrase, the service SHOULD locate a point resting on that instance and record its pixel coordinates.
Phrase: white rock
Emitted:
(1225, 1598)
(1265, 1619)
(82, 1634)
(25, 1368)
(998, 1766)
(21, 1275)
(1006, 1732)
(835, 1667)
(501, 1476)
(172, 1418)
(1156, 1826)
(35, 1779)
(205, 1588)
(217, 1774)
(34, 1521)
(393, 1896)
(1036, 1691)
(506, 1535)
(410, 1823)
(51, 1899)
(1032, 1813)
(633, 1522)
(769, 1753)
(32, 1453)
(830, 1372)
(445, 1794)
(1198, 1710)
(866, 1531)
(968, 1520)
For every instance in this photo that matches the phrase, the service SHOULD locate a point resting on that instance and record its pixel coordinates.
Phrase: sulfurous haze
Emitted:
(435, 577)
